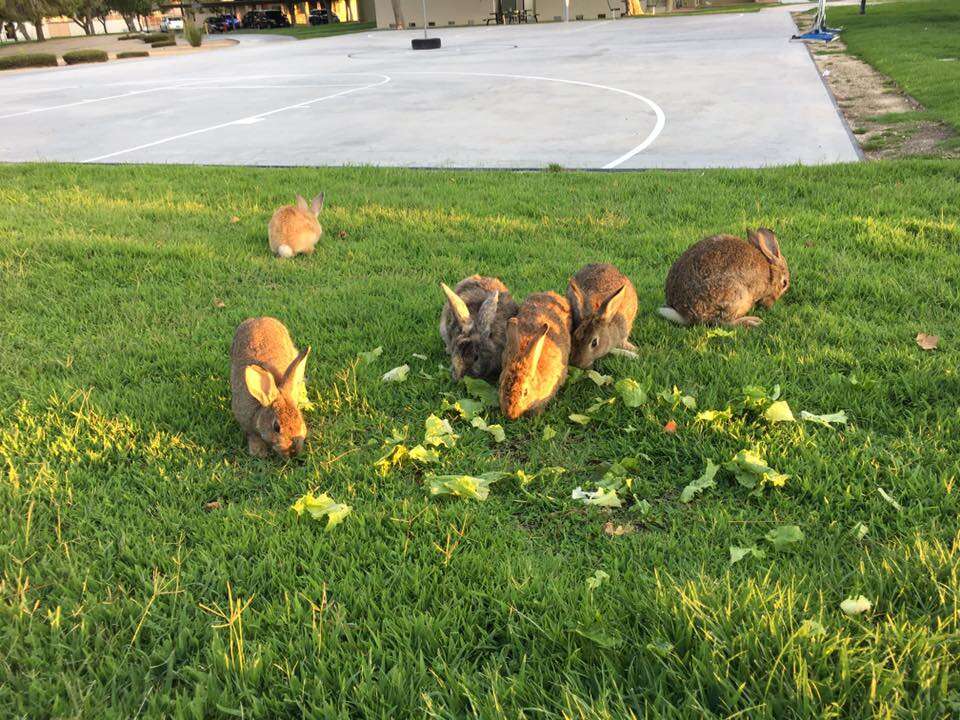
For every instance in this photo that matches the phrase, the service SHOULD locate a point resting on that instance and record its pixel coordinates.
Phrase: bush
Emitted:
(193, 33)
(164, 43)
(133, 53)
(131, 36)
(75, 57)
(24, 60)
(156, 37)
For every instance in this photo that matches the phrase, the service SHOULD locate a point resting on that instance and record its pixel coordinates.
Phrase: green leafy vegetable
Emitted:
(676, 398)
(856, 606)
(893, 503)
(398, 374)
(840, 418)
(860, 530)
(495, 430)
(465, 486)
(424, 455)
(322, 506)
(631, 392)
(549, 433)
(811, 628)
(466, 408)
(371, 355)
(752, 471)
(601, 497)
(701, 483)
(714, 415)
(597, 579)
(739, 553)
(779, 412)
(784, 536)
(438, 432)
(580, 419)
(482, 391)
(598, 379)
(599, 404)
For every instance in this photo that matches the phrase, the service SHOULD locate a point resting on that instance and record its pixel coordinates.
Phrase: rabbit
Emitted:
(536, 354)
(473, 326)
(718, 280)
(266, 383)
(294, 229)
(603, 303)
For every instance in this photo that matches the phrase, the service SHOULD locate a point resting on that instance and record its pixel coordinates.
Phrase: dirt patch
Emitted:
(886, 121)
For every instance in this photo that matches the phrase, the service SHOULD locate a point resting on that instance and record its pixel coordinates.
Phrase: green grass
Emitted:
(115, 430)
(306, 32)
(908, 41)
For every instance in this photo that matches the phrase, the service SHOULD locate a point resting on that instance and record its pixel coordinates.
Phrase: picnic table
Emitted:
(509, 17)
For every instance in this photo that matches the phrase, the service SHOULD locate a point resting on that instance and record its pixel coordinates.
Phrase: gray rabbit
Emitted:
(473, 326)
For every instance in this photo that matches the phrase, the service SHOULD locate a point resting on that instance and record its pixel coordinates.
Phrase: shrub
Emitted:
(164, 43)
(131, 36)
(75, 57)
(24, 60)
(156, 37)
(193, 33)
(132, 54)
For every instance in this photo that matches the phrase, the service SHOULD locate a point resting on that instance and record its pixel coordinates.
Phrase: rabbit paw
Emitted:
(747, 321)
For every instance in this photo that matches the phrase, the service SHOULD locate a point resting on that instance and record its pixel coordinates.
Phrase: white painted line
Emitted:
(657, 110)
(90, 101)
(249, 119)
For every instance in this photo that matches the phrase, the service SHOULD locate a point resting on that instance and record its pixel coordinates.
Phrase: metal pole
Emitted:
(424, 18)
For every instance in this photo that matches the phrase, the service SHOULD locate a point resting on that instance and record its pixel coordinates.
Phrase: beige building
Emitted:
(441, 13)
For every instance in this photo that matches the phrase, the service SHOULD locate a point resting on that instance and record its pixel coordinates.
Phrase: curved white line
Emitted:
(657, 128)
(248, 120)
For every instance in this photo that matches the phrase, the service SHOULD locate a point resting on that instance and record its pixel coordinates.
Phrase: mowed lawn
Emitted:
(915, 43)
(122, 596)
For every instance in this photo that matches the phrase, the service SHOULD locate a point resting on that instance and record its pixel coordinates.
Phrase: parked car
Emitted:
(262, 19)
(322, 16)
(221, 23)
(168, 24)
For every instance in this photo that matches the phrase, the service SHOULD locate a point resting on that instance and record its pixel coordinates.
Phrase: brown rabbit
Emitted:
(473, 326)
(603, 302)
(718, 280)
(294, 229)
(535, 358)
(266, 382)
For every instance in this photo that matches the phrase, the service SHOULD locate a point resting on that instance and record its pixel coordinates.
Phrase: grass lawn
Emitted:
(115, 431)
(915, 43)
(305, 32)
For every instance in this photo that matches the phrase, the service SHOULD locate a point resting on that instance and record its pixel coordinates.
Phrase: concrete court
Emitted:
(726, 90)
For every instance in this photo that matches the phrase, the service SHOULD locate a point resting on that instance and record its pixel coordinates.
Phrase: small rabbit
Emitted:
(294, 229)
(473, 326)
(603, 302)
(535, 358)
(718, 280)
(266, 381)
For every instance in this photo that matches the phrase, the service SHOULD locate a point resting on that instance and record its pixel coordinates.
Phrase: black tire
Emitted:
(425, 43)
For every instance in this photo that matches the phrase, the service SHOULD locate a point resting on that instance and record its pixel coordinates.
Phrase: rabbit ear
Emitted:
(293, 377)
(576, 301)
(487, 313)
(317, 204)
(458, 306)
(301, 203)
(260, 384)
(536, 349)
(766, 242)
(611, 306)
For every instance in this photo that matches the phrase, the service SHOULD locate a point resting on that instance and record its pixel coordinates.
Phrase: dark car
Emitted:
(216, 24)
(262, 19)
(322, 16)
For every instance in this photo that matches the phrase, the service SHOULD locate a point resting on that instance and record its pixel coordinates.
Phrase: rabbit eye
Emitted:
(276, 426)
(594, 342)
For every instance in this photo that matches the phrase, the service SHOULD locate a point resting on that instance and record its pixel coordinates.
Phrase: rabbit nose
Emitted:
(297, 446)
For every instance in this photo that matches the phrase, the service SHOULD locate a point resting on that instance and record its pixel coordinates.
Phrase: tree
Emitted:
(863, 7)
(130, 9)
(33, 12)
